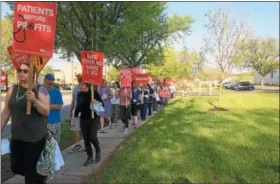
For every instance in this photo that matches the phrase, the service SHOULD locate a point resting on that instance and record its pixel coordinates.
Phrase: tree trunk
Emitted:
(220, 96)
(262, 81)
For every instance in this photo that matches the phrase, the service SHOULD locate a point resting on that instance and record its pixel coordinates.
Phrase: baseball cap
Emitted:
(49, 77)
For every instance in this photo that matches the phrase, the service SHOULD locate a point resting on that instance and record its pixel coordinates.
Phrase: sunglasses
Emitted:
(22, 70)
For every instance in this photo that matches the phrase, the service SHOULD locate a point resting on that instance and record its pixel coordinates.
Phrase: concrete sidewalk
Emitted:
(73, 170)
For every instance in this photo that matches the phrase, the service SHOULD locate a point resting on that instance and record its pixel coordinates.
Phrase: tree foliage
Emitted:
(262, 55)
(113, 74)
(225, 35)
(171, 67)
(6, 37)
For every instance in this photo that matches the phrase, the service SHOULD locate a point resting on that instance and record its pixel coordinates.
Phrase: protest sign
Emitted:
(4, 81)
(140, 78)
(125, 77)
(16, 57)
(92, 66)
(34, 28)
(163, 93)
(135, 70)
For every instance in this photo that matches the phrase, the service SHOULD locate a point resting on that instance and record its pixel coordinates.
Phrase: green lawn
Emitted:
(187, 143)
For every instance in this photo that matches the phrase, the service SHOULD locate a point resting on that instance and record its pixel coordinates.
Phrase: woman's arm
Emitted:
(111, 95)
(43, 102)
(6, 113)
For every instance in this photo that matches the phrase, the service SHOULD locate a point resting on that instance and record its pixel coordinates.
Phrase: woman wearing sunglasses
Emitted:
(28, 131)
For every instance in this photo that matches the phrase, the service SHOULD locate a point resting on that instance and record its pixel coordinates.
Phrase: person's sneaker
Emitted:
(125, 131)
(135, 125)
(88, 161)
(102, 131)
(97, 157)
(75, 148)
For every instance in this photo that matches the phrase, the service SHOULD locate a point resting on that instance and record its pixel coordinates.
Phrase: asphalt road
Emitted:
(64, 114)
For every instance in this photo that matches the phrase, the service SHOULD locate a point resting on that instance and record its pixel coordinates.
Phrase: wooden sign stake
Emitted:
(92, 97)
(30, 82)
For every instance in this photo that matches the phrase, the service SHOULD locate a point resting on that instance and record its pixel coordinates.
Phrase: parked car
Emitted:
(244, 86)
(226, 84)
(232, 85)
(66, 87)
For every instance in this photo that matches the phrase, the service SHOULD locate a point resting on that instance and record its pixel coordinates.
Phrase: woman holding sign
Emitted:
(28, 131)
(89, 124)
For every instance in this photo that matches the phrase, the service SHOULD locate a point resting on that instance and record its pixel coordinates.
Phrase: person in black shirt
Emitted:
(89, 125)
(151, 99)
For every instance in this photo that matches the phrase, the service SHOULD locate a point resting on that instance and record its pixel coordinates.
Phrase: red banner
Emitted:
(135, 70)
(125, 77)
(92, 66)
(141, 78)
(34, 28)
(17, 58)
(163, 93)
(4, 81)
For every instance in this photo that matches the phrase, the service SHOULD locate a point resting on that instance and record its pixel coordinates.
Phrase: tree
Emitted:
(262, 55)
(171, 67)
(225, 35)
(47, 70)
(142, 38)
(113, 74)
(6, 37)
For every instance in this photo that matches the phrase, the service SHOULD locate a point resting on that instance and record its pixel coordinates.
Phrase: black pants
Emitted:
(24, 158)
(150, 105)
(125, 113)
(89, 130)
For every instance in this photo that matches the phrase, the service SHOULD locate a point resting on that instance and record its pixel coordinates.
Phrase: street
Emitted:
(64, 114)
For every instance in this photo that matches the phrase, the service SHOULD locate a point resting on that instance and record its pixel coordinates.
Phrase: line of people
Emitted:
(29, 132)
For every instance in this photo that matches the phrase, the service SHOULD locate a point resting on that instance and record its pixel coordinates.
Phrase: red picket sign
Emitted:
(125, 77)
(4, 81)
(135, 70)
(17, 58)
(163, 93)
(141, 78)
(92, 67)
(34, 28)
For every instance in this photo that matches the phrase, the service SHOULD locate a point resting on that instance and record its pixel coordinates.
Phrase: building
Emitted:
(271, 78)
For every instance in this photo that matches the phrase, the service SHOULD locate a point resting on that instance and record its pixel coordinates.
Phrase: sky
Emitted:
(263, 18)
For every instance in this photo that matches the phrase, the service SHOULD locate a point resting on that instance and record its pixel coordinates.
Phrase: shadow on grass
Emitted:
(185, 144)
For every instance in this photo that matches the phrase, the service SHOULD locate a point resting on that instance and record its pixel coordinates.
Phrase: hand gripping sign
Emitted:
(34, 28)
(125, 77)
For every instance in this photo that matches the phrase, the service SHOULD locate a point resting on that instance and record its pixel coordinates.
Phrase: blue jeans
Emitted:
(144, 109)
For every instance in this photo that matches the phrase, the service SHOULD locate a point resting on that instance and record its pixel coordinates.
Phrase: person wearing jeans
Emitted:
(144, 108)
(125, 95)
